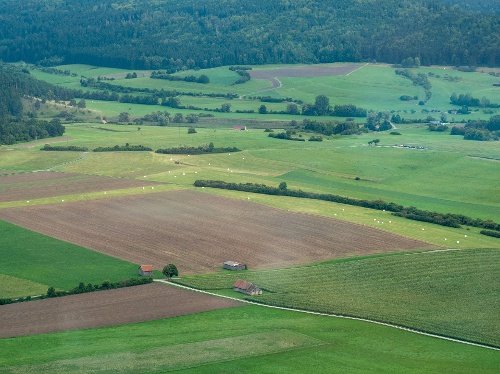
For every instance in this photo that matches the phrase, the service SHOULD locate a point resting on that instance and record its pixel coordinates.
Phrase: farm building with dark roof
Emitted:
(231, 265)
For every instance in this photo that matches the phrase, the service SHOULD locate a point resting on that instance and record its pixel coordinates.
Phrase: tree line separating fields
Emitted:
(443, 219)
(82, 288)
(201, 149)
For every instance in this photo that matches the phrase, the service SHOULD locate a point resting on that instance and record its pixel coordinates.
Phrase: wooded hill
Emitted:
(172, 34)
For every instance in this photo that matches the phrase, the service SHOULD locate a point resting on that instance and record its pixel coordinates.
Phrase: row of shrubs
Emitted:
(126, 147)
(82, 288)
(495, 234)
(48, 147)
(205, 148)
(448, 219)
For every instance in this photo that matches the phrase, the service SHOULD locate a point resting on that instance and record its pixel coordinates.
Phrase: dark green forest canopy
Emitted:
(476, 5)
(191, 33)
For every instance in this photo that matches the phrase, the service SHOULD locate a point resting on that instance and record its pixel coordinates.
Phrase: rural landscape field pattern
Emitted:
(89, 217)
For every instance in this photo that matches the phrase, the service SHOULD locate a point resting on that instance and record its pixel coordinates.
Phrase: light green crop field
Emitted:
(11, 287)
(53, 263)
(269, 341)
(450, 292)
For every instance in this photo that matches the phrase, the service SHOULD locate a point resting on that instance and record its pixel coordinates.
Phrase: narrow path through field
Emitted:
(358, 68)
(335, 315)
(82, 157)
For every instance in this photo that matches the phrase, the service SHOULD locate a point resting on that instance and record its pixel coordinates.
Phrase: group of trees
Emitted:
(123, 148)
(378, 121)
(479, 129)
(468, 100)
(331, 128)
(188, 78)
(418, 79)
(202, 149)
(186, 35)
(14, 130)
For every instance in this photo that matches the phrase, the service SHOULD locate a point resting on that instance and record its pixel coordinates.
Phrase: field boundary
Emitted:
(415, 331)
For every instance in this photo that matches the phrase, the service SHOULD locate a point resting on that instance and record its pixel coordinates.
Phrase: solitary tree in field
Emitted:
(322, 105)
(123, 117)
(170, 271)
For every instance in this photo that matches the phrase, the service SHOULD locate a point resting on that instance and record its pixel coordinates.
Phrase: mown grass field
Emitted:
(449, 293)
(273, 341)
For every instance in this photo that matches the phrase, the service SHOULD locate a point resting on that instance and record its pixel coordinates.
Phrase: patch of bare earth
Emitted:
(301, 72)
(29, 186)
(105, 308)
(198, 231)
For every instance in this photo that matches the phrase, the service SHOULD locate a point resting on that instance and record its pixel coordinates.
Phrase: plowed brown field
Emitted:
(198, 231)
(105, 308)
(29, 186)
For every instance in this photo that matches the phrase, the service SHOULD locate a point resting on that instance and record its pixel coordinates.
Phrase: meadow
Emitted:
(274, 341)
(371, 86)
(38, 262)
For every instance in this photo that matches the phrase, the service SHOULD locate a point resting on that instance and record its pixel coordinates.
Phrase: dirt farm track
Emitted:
(105, 308)
(198, 231)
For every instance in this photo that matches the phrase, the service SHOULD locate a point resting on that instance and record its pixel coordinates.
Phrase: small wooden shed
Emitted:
(246, 288)
(231, 265)
(146, 270)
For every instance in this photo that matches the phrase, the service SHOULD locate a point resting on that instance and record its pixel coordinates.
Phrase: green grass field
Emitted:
(449, 293)
(255, 340)
(48, 262)
(374, 87)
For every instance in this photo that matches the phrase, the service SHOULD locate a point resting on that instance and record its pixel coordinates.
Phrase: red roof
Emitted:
(147, 267)
(242, 285)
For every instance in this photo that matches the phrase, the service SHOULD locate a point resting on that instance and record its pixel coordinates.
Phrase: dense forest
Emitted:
(173, 34)
(476, 5)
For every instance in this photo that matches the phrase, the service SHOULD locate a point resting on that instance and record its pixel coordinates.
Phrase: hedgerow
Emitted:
(443, 219)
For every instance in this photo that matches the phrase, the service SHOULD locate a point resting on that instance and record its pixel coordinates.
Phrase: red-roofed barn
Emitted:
(146, 270)
(246, 288)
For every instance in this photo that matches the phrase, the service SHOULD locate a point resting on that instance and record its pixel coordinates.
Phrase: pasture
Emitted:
(274, 341)
(40, 262)
(371, 86)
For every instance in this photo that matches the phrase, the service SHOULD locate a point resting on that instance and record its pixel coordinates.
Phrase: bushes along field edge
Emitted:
(82, 288)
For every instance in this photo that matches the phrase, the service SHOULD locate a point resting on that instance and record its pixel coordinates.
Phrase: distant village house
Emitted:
(240, 128)
(246, 288)
(231, 265)
(146, 270)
